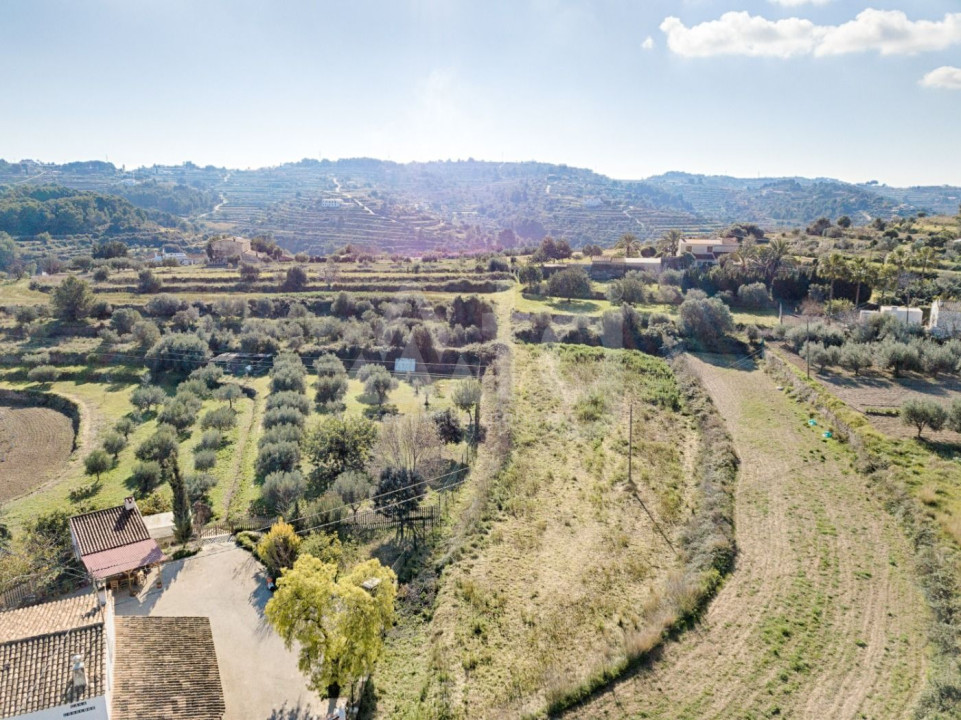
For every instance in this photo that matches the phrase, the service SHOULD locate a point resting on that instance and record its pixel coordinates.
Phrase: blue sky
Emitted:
(627, 88)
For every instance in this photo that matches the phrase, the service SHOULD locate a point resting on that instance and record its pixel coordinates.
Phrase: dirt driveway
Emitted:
(260, 677)
(821, 617)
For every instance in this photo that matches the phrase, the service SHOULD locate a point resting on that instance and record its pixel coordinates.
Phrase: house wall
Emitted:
(89, 709)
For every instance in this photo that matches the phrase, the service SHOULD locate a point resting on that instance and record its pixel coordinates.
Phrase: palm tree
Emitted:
(669, 243)
(863, 274)
(772, 257)
(833, 268)
(924, 257)
(630, 244)
(899, 259)
(888, 277)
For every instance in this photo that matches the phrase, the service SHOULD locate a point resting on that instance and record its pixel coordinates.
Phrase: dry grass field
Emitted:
(821, 618)
(565, 576)
(35, 443)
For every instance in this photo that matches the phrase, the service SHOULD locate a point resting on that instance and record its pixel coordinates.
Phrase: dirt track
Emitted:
(820, 619)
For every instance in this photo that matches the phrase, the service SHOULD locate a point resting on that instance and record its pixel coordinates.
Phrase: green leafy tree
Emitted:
(145, 397)
(856, 357)
(295, 280)
(705, 320)
(281, 491)
(249, 273)
(159, 446)
(146, 476)
(9, 252)
(72, 299)
(467, 397)
(125, 426)
(114, 443)
(148, 283)
(669, 243)
(229, 392)
(97, 463)
(353, 487)
(379, 383)
(529, 276)
(336, 445)
(921, 413)
(281, 456)
(337, 623)
(43, 374)
(570, 283)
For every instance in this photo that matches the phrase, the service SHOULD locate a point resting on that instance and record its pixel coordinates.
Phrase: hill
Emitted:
(317, 206)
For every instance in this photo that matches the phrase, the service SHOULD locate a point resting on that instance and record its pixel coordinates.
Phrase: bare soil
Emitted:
(821, 617)
(35, 443)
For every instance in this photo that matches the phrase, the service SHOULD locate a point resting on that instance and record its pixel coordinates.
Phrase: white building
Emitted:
(945, 320)
(330, 203)
(909, 315)
(707, 251)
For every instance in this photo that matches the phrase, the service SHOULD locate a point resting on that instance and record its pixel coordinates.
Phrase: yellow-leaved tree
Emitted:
(278, 548)
(339, 622)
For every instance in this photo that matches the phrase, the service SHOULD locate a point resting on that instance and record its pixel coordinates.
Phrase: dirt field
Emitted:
(35, 443)
(821, 618)
(880, 390)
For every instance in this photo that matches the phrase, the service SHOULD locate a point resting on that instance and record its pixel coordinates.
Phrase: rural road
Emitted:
(821, 618)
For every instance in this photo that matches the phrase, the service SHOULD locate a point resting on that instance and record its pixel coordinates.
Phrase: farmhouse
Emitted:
(75, 658)
(229, 247)
(181, 257)
(330, 203)
(945, 320)
(114, 543)
(707, 251)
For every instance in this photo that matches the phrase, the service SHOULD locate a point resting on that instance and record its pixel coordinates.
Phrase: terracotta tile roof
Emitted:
(109, 528)
(166, 669)
(123, 559)
(36, 673)
(50, 617)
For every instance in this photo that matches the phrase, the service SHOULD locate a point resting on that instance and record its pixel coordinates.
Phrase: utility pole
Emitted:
(807, 354)
(630, 444)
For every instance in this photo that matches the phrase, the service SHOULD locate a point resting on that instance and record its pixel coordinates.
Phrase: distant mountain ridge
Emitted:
(315, 206)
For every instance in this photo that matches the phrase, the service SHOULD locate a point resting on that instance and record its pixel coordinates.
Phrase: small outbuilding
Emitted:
(114, 543)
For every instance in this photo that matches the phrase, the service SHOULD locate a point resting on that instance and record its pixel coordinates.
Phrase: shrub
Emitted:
(159, 446)
(178, 352)
(281, 456)
(198, 485)
(705, 320)
(211, 440)
(448, 426)
(205, 460)
(281, 433)
(222, 418)
(164, 306)
(753, 296)
(570, 283)
(288, 399)
(330, 389)
(43, 374)
(146, 476)
(278, 548)
(148, 283)
(283, 416)
(282, 490)
(155, 502)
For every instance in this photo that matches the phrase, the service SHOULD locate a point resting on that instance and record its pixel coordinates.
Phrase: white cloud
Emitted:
(648, 43)
(889, 32)
(943, 77)
(798, 3)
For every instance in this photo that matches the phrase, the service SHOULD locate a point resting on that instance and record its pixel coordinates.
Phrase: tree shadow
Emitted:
(295, 713)
(726, 361)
